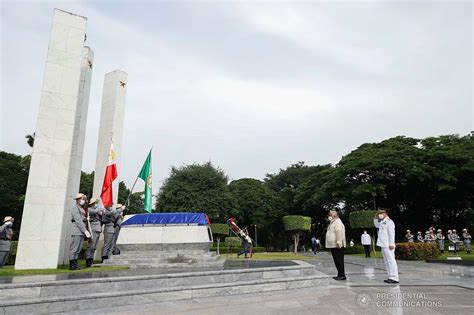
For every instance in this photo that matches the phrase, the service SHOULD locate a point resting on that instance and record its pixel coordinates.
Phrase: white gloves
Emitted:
(87, 234)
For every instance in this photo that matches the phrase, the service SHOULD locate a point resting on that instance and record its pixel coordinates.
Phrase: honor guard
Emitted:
(419, 237)
(6, 235)
(409, 237)
(427, 238)
(118, 226)
(440, 240)
(96, 211)
(108, 219)
(456, 240)
(467, 240)
(78, 229)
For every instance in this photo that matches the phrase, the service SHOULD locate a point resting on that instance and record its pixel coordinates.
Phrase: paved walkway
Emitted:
(424, 289)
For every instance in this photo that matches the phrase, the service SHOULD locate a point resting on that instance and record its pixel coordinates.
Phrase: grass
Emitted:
(275, 256)
(444, 256)
(8, 271)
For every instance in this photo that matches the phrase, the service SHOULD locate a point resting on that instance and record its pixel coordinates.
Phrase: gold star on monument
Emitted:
(90, 63)
(122, 83)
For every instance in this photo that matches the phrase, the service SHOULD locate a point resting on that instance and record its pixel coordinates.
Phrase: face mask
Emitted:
(381, 216)
(330, 219)
(82, 202)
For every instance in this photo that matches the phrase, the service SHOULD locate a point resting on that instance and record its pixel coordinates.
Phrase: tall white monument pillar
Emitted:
(78, 142)
(51, 179)
(110, 129)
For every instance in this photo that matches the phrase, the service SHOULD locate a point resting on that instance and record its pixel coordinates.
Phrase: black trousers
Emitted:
(338, 256)
(367, 251)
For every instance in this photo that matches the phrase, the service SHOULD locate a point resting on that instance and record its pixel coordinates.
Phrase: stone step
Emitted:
(129, 296)
(21, 291)
(162, 254)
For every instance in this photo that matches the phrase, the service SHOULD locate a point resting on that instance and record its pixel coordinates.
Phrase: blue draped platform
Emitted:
(168, 218)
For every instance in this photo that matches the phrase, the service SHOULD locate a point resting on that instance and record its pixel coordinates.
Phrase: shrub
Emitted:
(417, 251)
(232, 241)
(219, 231)
(296, 225)
(362, 219)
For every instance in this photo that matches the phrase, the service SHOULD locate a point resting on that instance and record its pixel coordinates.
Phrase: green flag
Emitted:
(145, 174)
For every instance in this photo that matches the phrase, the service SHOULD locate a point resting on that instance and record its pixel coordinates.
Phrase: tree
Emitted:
(13, 181)
(296, 225)
(287, 181)
(135, 203)
(196, 188)
(256, 204)
(87, 184)
(219, 231)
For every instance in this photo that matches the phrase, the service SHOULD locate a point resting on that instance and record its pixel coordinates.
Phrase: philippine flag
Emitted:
(110, 176)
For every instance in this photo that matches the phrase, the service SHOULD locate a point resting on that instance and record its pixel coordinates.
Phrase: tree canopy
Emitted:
(196, 188)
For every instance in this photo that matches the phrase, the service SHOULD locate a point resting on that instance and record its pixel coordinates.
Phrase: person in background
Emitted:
(6, 235)
(440, 240)
(451, 247)
(386, 240)
(427, 238)
(313, 244)
(467, 240)
(456, 240)
(419, 237)
(78, 229)
(318, 245)
(336, 242)
(409, 237)
(246, 250)
(366, 240)
(351, 243)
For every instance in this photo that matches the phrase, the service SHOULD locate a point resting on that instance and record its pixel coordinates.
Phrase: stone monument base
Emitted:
(185, 255)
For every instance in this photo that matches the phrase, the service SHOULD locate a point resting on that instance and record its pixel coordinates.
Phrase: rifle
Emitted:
(88, 223)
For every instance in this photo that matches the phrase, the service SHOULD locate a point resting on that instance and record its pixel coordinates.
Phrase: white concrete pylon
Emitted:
(110, 129)
(48, 197)
(79, 139)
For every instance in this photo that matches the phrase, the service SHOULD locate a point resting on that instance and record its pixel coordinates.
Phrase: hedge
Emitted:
(297, 223)
(236, 249)
(362, 219)
(232, 241)
(219, 229)
(417, 251)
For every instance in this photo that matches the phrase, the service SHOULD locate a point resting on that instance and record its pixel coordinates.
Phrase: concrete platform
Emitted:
(89, 294)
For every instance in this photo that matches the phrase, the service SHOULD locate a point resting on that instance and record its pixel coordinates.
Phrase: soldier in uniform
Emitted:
(419, 237)
(440, 239)
(108, 219)
(6, 235)
(78, 230)
(456, 239)
(409, 237)
(467, 240)
(118, 226)
(95, 217)
(427, 238)
(386, 240)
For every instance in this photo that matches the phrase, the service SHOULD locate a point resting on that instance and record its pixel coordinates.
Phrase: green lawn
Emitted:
(274, 256)
(9, 271)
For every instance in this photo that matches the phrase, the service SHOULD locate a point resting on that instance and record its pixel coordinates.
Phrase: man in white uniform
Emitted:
(386, 240)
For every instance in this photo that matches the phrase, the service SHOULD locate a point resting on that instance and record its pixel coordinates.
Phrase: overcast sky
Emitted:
(252, 87)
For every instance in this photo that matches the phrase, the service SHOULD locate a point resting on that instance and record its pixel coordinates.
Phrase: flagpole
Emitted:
(131, 190)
